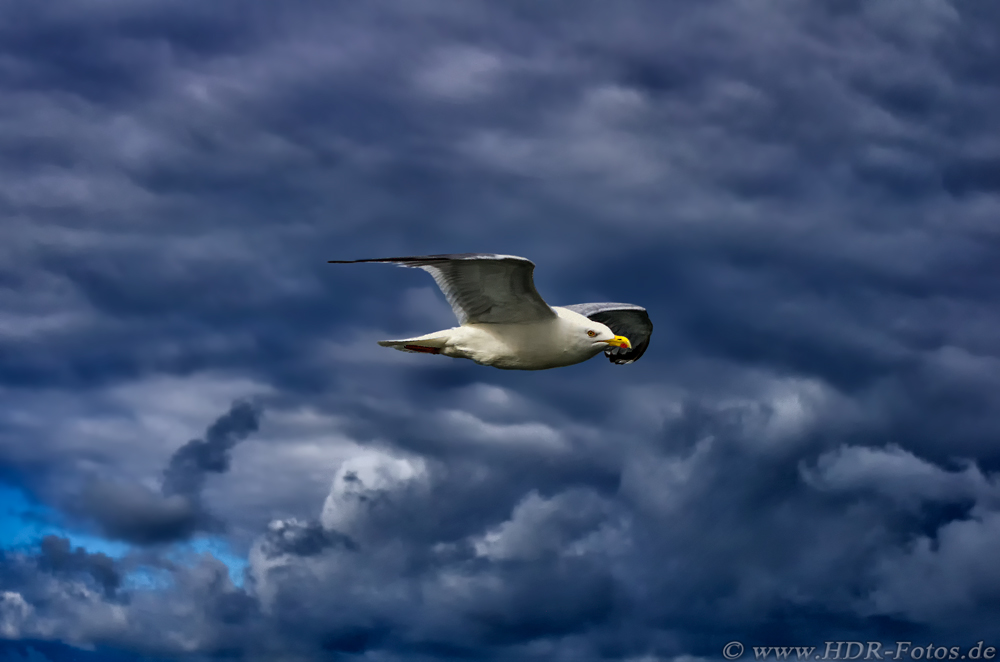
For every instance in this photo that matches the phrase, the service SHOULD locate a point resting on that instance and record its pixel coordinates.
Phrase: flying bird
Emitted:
(504, 322)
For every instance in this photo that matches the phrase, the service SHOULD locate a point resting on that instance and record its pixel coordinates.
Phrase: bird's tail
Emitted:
(432, 343)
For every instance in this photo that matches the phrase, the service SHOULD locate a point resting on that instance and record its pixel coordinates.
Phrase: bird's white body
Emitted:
(552, 343)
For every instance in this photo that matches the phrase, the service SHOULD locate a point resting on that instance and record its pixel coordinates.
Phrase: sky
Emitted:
(205, 455)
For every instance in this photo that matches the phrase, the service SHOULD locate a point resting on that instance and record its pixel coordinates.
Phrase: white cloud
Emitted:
(540, 526)
(14, 613)
(361, 481)
(897, 474)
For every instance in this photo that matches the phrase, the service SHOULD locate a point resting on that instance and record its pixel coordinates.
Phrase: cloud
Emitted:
(541, 526)
(932, 580)
(185, 475)
(899, 475)
(301, 538)
(14, 611)
(365, 483)
(58, 556)
(127, 511)
(132, 512)
(460, 73)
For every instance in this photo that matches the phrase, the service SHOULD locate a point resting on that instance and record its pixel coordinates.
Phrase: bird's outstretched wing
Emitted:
(481, 287)
(624, 319)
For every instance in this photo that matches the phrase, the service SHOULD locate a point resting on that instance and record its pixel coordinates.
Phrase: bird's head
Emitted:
(601, 337)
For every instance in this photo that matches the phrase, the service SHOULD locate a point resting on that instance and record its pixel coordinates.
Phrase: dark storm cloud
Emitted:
(190, 464)
(803, 194)
(57, 555)
(132, 512)
(127, 511)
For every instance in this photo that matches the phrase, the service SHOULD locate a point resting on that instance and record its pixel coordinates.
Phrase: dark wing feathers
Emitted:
(481, 287)
(624, 319)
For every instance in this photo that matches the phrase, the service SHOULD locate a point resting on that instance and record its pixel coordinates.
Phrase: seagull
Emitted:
(504, 323)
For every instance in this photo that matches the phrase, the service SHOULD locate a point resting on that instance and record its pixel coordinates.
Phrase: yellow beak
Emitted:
(619, 341)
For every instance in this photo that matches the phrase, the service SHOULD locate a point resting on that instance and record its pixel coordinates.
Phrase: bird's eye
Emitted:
(591, 333)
